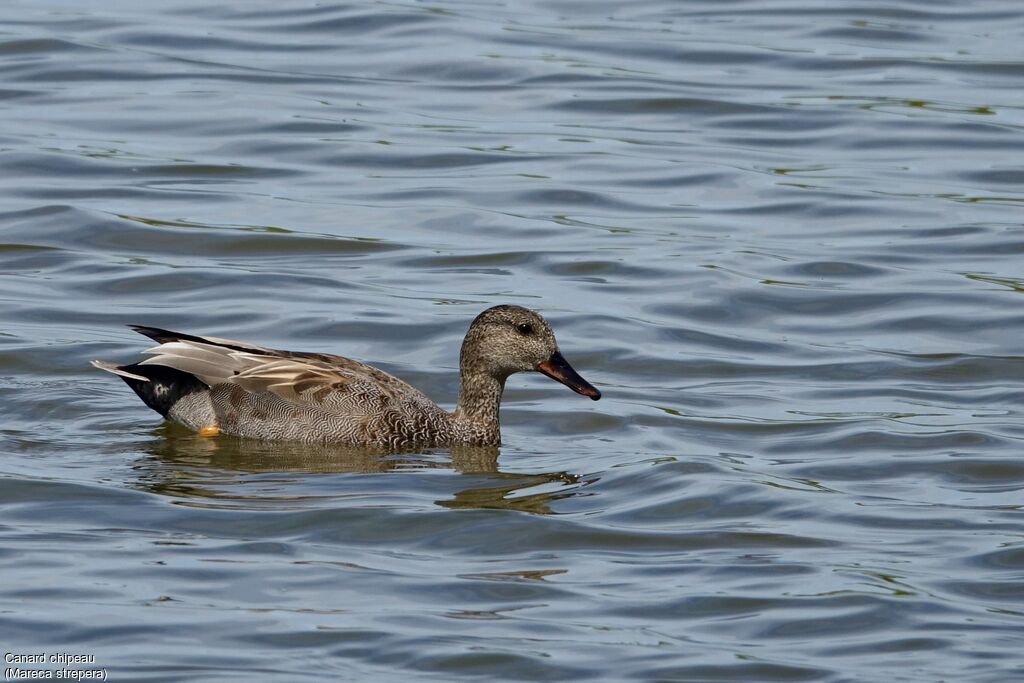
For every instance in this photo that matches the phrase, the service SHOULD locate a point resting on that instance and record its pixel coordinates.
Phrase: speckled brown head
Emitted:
(507, 339)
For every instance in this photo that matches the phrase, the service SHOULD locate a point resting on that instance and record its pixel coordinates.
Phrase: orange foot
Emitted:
(211, 430)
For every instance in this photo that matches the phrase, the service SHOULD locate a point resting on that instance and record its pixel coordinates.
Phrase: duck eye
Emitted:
(525, 328)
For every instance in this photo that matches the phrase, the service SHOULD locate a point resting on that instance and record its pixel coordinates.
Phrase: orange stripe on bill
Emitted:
(558, 369)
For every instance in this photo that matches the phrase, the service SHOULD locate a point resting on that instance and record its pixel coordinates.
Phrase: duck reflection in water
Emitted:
(231, 472)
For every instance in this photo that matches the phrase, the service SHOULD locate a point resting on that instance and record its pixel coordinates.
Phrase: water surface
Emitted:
(784, 239)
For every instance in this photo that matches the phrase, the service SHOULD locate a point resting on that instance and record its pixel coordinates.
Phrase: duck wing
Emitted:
(266, 393)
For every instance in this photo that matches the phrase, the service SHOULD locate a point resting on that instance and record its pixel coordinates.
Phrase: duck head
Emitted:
(507, 339)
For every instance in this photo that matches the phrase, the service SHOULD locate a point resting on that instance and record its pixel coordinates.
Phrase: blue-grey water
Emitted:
(785, 238)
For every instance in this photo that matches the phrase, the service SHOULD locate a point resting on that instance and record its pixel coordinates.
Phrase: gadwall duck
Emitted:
(219, 386)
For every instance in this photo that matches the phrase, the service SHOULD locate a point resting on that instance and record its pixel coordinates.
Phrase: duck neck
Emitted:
(477, 409)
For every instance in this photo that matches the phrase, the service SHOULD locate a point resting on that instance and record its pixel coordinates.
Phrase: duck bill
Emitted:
(558, 369)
